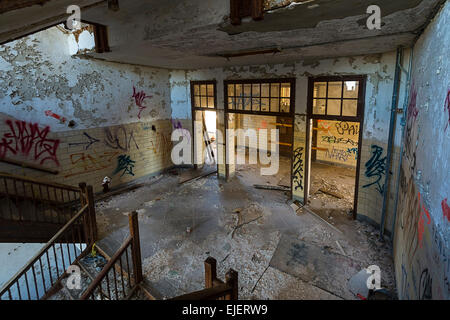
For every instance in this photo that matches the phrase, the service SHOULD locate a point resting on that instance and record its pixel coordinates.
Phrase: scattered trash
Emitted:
(188, 229)
(106, 181)
(321, 219)
(340, 248)
(331, 193)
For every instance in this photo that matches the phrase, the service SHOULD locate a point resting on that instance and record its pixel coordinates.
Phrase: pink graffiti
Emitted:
(139, 98)
(421, 223)
(24, 138)
(412, 108)
(447, 108)
(445, 209)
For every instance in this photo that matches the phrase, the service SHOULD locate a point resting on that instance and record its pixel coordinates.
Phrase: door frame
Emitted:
(290, 114)
(362, 79)
(194, 109)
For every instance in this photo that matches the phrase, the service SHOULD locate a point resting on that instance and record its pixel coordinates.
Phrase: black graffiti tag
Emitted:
(298, 168)
(376, 167)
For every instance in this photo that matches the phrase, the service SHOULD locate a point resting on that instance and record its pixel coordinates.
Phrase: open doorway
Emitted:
(335, 109)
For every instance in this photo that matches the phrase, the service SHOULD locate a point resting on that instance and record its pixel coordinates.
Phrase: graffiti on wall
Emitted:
(411, 129)
(139, 98)
(336, 140)
(28, 139)
(50, 113)
(337, 154)
(124, 165)
(353, 151)
(344, 128)
(421, 223)
(84, 162)
(376, 167)
(87, 143)
(118, 138)
(445, 209)
(298, 168)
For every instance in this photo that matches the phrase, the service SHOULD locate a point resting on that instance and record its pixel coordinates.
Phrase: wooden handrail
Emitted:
(37, 181)
(41, 252)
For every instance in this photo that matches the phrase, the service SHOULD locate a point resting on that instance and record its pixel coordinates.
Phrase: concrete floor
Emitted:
(173, 258)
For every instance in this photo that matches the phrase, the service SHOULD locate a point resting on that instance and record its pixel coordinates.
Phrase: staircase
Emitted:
(70, 266)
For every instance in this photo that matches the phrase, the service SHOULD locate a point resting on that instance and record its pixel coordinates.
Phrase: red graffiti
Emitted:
(24, 138)
(412, 108)
(445, 209)
(447, 108)
(139, 98)
(49, 113)
(421, 223)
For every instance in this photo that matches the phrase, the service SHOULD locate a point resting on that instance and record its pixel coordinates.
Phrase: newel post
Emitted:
(135, 246)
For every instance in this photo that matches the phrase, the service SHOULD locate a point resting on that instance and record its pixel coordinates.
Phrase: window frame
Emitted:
(199, 83)
(361, 79)
(259, 81)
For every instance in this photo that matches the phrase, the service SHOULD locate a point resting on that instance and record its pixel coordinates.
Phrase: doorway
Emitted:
(334, 139)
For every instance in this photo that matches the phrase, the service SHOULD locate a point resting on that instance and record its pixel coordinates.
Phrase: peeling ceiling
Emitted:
(190, 34)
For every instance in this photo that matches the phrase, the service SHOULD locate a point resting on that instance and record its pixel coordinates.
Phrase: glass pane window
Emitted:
(259, 96)
(336, 98)
(204, 94)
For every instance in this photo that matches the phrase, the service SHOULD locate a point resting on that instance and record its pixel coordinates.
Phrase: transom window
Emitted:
(338, 98)
(203, 94)
(268, 96)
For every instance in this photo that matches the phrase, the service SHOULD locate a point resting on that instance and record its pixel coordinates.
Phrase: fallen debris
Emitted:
(321, 219)
(340, 248)
(271, 187)
(118, 191)
(331, 193)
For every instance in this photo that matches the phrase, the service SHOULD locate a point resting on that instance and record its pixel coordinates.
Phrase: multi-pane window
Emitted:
(259, 95)
(336, 98)
(203, 94)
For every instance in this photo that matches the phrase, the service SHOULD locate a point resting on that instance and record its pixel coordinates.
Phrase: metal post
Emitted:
(210, 272)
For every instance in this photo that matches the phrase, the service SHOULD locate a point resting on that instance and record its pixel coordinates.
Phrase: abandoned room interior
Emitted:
(224, 149)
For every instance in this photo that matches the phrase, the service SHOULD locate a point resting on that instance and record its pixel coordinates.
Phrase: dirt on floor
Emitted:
(241, 227)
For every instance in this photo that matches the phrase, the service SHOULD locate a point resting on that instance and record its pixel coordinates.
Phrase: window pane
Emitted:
(247, 96)
(256, 103)
(334, 107)
(196, 89)
(265, 90)
(286, 90)
(238, 90)
(351, 89)
(210, 102)
(203, 90)
(320, 89)
(350, 108)
(274, 105)
(196, 101)
(204, 102)
(264, 104)
(274, 89)
(239, 103)
(231, 103)
(334, 89)
(285, 105)
(231, 90)
(255, 89)
(319, 106)
(210, 90)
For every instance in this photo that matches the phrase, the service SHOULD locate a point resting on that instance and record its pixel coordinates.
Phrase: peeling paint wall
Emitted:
(422, 233)
(121, 113)
(380, 73)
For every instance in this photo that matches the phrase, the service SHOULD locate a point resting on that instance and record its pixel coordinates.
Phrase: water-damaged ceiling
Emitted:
(190, 34)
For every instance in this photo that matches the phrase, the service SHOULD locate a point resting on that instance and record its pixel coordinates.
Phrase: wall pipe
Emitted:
(403, 124)
(391, 136)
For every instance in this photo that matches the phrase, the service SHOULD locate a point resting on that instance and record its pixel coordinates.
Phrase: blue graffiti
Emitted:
(354, 151)
(125, 164)
(376, 167)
